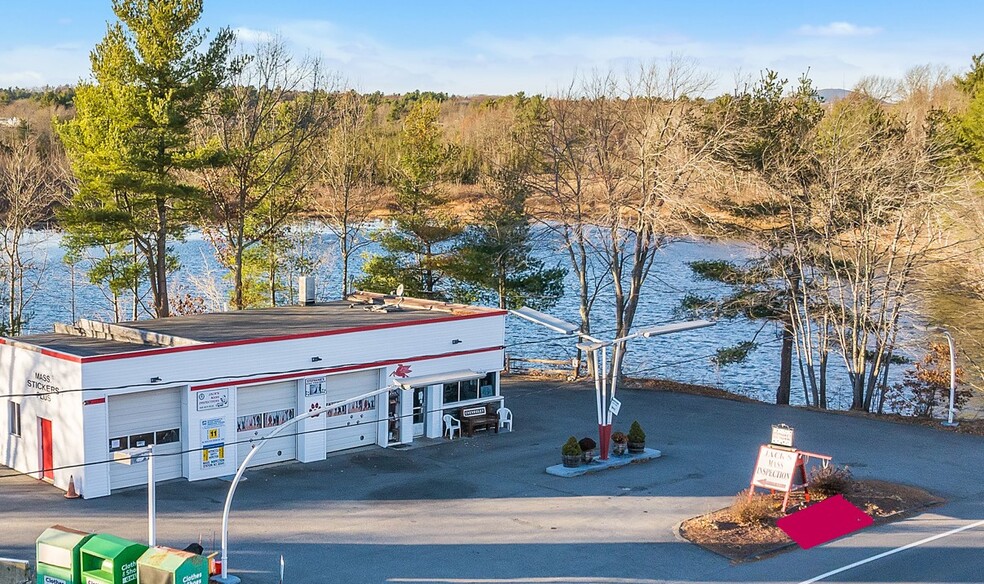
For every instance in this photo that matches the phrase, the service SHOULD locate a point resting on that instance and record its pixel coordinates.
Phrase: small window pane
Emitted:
(120, 443)
(487, 387)
(13, 418)
(469, 389)
(167, 436)
(141, 440)
(450, 392)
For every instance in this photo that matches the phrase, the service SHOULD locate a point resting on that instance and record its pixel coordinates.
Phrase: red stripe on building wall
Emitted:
(92, 402)
(313, 372)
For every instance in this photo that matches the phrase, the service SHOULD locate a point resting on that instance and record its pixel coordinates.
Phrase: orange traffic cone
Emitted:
(72, 493)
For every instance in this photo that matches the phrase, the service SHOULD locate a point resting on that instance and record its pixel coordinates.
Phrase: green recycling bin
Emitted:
(58, 555)
(161, 565)
(107, 559)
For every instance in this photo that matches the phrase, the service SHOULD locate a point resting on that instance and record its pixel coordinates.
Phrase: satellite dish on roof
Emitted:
(399, 291)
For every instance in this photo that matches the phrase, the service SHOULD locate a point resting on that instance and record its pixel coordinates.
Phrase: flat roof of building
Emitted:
(362, 311)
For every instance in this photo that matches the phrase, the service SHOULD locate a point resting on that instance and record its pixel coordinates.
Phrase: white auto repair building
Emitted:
(203, 389)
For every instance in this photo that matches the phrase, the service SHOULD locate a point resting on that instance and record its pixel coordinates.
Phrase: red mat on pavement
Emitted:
(824, 521)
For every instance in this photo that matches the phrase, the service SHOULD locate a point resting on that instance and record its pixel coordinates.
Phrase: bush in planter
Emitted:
(587, 448)
(637, 438)
(619, 441)
(571, 452)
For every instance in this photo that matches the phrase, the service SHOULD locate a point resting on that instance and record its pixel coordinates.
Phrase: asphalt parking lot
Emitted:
(482, 509)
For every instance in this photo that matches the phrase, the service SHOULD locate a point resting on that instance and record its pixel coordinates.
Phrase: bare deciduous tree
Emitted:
(350, 181)
(32, 180)
(261, 127)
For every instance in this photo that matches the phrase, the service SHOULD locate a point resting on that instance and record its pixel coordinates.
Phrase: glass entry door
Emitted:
(419, 410)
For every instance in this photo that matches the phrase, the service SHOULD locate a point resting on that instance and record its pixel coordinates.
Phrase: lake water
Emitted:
(684, 357)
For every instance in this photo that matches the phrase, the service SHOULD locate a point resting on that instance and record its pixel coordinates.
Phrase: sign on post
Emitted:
(782, 435)
(615, 406)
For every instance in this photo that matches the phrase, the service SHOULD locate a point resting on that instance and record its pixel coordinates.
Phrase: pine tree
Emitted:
(130, 139)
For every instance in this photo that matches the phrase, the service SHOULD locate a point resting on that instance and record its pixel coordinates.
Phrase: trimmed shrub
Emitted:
(571, 447)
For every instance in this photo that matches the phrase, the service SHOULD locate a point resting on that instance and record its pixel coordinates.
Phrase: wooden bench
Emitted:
(478, 417)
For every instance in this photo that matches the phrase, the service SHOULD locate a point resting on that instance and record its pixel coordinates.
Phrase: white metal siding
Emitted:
(353, 428)
(141, 413)
(264, 401)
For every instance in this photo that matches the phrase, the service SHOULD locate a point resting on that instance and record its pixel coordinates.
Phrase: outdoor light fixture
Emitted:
(604, 400)
(315, 359)
(674, 328)
(455, 341)
(543, 319)
(155, 379)
(405, 384)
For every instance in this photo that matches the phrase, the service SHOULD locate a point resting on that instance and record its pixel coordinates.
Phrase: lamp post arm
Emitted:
(953, 376)
(245, 463)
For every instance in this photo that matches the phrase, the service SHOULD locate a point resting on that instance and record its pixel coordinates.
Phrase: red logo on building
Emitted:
(401, 371)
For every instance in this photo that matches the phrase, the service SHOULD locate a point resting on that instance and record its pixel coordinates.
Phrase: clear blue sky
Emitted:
(503, 46)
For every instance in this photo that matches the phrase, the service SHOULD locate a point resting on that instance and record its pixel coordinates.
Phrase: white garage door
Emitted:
(260, 408)
(355, 424)
(141, 419)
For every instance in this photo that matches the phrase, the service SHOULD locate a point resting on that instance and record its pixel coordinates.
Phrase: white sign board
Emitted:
(782, 435)
(314, 386)
(212, 399)
(774, 469)
(213, 430)
(615, 406)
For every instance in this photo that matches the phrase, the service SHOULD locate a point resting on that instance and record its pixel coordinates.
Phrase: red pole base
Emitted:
(604, 439)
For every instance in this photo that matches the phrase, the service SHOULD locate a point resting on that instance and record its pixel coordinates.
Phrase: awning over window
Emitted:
(441, 378)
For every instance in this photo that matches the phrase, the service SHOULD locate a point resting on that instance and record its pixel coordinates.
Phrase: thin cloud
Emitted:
(838, 29)
(251, 35)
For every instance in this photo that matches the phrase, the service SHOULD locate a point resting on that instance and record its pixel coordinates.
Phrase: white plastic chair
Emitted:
(451, 424)
(505, 418)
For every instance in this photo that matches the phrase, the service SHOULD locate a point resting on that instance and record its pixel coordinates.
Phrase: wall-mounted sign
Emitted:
(314, 386)
(774, 468)
(212, 399)
(213, 430)
(213, 456)
(782, 435)
(615, 406)
(213, 442)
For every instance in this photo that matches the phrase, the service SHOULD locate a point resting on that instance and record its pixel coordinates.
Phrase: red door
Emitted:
(47, 457)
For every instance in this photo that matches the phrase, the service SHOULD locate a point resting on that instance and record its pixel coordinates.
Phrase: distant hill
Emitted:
(831, 95)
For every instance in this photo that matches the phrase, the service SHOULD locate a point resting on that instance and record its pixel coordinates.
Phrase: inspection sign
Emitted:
(774, 469)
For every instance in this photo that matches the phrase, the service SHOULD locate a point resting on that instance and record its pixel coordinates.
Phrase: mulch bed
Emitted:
(721, 533)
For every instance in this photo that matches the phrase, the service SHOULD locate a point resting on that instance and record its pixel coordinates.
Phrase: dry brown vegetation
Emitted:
(747, 530)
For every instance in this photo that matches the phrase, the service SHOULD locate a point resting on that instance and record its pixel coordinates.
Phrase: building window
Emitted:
(14, 418)
(469, 390)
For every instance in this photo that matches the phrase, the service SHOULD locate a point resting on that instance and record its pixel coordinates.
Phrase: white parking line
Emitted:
(894, 551)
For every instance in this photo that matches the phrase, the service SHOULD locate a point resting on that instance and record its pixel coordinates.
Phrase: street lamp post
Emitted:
(139, 456)
(225, 578)
(953, 371)
(603, 399)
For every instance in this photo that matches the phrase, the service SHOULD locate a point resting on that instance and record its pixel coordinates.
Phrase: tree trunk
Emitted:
(785, 366)
(823, 381)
